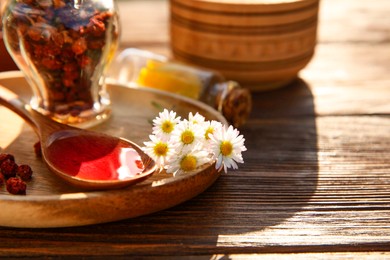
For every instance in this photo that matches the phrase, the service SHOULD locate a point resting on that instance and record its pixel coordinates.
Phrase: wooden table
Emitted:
(316, 178)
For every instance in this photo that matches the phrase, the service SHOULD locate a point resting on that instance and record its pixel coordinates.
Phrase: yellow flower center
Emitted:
(187, 137)
(188, 163)
(209, 130)
(167, 126)
(226, 148)
(161, 149)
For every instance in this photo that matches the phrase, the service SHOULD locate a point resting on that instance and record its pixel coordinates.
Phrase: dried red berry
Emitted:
(16, 186)
(51, 64)
(34, 33)
(85, 61)
(24, 171)
(68, 83)
(79, 46)
(38, 51)
(8, 168)
(97, 44)
(96, 27)
(6, 156)
(52, 50)
(58, 39)
(71, 67)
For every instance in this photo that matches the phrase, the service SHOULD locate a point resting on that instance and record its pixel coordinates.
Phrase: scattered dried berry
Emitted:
(8, 172)
(24, 171)
(16, 186)
(8, 168)
(6, 156)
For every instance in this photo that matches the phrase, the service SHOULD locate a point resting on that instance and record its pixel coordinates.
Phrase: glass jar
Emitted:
(64, 48)
(135, 67)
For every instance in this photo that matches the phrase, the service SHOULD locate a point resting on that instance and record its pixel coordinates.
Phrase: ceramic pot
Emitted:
(262, 44)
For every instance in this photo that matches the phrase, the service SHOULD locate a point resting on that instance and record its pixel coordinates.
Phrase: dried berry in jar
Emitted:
(66, 43)
(16, 186)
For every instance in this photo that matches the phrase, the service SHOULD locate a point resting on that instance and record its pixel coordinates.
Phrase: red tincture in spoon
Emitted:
(93, 157)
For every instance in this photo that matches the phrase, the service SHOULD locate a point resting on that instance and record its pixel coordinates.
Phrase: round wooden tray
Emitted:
(51, 203)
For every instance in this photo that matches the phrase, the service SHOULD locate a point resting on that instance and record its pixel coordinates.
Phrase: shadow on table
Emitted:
(279, 175)
(276, 182)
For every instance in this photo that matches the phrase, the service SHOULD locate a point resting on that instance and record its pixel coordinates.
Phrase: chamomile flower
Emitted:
(196, 119)
(159, 150)
(186, 161)
(210, 127)
(165, 124)
(181, 146)
(227, 146)
(187, 135)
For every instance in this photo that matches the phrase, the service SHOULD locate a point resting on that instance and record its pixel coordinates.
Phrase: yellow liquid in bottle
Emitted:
(170, 77)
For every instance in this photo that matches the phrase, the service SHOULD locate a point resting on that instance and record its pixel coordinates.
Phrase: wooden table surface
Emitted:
(316, 178)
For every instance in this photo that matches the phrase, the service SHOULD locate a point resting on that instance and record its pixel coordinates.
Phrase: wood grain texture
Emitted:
(316, 178)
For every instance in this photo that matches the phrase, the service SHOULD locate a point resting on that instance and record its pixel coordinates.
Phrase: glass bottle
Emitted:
(64, 47)
(147, 69)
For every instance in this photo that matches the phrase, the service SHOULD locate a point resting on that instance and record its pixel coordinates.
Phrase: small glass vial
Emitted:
(147, 69)
(64, 47)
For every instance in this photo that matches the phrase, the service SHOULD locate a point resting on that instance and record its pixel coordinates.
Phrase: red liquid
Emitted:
(91, 157)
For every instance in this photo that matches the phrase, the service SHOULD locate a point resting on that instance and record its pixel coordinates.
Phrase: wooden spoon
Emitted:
(83, 158)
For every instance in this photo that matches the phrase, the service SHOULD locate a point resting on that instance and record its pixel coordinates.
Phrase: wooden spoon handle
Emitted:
(42, 125)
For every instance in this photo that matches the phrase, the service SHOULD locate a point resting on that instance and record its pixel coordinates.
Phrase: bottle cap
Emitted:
(235, 103)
